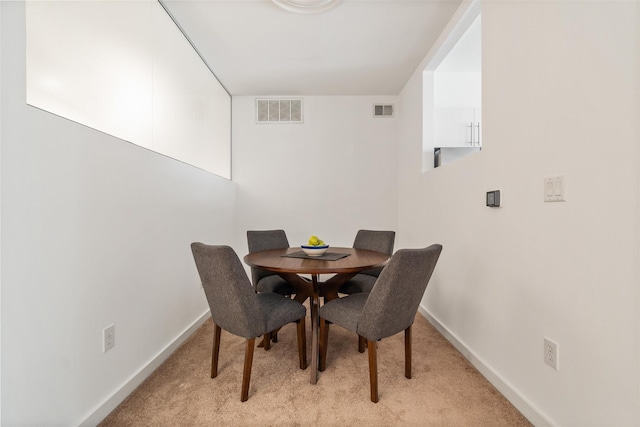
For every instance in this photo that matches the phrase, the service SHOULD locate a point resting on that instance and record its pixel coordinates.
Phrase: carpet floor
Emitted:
(446, 390)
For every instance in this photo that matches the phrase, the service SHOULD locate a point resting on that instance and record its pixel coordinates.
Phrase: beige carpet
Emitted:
(445, 389)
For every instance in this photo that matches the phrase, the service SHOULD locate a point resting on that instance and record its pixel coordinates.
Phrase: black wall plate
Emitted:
(493, 199)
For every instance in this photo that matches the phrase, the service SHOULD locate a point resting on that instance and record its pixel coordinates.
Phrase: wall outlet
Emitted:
(551, 353)
(108, 338)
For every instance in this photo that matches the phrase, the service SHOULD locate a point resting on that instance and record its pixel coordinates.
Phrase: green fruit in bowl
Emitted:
(315, 241)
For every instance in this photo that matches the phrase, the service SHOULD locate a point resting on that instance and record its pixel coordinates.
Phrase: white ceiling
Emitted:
(361, 47)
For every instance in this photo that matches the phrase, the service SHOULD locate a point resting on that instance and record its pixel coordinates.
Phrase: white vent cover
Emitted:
(383, 110)
(273, 110)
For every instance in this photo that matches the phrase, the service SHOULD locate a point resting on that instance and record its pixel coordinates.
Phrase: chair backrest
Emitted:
(393, 302)
(263, 240)
(233, 303)
(374, 240)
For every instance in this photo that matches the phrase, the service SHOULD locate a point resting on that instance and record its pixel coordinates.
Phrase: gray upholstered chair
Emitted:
(389, 309)
(237, 309)
(380, 241)
(263, 280)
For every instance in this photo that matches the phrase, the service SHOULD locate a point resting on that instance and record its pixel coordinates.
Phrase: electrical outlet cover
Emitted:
(551, 353)
(108, 338)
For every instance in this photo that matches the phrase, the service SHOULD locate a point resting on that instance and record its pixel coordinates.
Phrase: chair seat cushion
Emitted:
(345, 311)
(358, 283)
(276, 284)
(279, 310)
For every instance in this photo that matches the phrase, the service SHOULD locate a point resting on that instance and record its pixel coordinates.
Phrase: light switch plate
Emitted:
(555, 188)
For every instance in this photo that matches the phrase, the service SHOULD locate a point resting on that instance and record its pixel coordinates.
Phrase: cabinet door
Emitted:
(454, 127)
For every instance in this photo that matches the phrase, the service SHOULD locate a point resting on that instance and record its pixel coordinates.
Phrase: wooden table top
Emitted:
(358, 260)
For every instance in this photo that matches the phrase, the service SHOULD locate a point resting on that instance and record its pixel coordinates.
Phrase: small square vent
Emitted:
(274, 110)
(383, 110)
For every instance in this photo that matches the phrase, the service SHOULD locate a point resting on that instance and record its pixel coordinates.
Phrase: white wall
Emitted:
(560, 96)
(151, 89)
(94, 231)
(330, 176)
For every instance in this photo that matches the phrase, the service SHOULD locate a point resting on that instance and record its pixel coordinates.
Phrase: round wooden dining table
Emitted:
(291, 263)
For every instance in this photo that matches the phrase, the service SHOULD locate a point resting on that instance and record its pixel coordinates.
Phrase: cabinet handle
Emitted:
(478, 138)
(471, 133)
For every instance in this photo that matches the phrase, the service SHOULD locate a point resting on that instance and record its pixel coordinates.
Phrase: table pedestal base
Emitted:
(313, 290)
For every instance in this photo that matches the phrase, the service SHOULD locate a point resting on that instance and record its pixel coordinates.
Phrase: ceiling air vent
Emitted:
(273, 110)
(380, 110)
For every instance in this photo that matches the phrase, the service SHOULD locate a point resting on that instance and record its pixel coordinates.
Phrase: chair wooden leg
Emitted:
(324, 340)
(302, 344)
(267, 341)
(361, 342)
(274, 335)
(407, 352)
(373, 370)
(217, 331)
(246, 374)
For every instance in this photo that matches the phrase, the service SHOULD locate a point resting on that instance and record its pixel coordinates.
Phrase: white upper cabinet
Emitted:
(457, 97)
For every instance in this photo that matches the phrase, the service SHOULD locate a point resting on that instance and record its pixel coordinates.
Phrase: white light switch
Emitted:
(554, 189)
(548, 184)
(557, 187)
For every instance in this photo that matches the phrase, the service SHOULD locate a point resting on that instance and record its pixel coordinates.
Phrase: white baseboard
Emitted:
(112, 402)
(533, 414)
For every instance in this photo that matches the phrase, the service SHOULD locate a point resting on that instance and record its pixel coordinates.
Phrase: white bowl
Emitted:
(314, 250)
